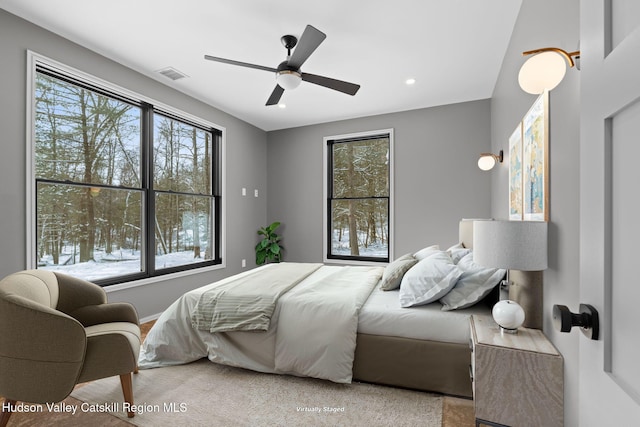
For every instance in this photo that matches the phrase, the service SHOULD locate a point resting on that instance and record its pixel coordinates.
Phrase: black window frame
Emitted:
(331, 142)
(148, 110)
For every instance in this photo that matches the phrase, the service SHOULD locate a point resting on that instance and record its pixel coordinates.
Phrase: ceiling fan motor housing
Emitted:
(284, 66)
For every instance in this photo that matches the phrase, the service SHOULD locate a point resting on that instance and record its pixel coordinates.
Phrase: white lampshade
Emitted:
(515, 245)
(288, 79)
(542, 71)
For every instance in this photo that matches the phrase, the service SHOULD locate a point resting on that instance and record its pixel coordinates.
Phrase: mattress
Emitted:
(382, 315)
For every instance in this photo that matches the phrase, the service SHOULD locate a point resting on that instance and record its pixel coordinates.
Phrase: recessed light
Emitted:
(410, 81)
(282, 105)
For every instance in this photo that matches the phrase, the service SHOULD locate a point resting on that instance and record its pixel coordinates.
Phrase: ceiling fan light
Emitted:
(288, 79)
(542, 71)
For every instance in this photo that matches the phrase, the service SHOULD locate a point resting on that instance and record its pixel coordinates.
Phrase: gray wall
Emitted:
(543, 23)
(437, 181)
(245, 152)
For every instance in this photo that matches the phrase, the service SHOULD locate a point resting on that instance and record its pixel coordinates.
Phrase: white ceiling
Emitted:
(453, 48)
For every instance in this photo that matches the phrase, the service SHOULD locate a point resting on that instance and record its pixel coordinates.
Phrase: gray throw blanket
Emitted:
(247, 303)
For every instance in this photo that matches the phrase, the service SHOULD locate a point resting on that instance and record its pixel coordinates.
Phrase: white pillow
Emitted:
(474, 284)
(457, 252)
(426, 252)
(428, 280)
(394, 272)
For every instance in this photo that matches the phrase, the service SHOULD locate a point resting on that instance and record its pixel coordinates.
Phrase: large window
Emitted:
(358, 197)
(122, 189)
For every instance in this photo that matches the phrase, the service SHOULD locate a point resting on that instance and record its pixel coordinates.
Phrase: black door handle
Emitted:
(587, 319)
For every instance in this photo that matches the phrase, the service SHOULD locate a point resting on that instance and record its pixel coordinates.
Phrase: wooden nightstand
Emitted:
(517, 378)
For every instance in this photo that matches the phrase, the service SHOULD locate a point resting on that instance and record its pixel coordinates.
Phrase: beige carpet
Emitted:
(207, 394)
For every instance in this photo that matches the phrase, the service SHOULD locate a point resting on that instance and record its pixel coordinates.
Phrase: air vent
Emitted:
(172, 73)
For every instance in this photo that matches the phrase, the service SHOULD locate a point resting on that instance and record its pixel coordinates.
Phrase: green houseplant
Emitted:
(268, 249)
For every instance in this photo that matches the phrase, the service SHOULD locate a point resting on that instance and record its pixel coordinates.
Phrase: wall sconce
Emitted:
(545, 69)
(488, 160)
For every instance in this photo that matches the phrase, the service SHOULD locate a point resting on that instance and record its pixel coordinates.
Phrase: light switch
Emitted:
(255, 192)
(244, 191)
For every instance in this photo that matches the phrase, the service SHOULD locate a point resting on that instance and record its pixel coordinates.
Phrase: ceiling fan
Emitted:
(288, 73)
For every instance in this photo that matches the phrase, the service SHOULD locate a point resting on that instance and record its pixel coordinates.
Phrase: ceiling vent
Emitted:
(172, 73)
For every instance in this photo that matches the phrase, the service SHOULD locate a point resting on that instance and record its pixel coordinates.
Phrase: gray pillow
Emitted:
(474, 284)
(393, 273)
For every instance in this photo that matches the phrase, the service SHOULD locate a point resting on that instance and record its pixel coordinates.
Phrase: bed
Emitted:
(334, 323)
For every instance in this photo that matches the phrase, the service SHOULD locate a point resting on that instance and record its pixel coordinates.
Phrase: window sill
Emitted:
(157, 279)
(330, 261)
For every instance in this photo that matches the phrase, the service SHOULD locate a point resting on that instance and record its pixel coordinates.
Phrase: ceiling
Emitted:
(453, 48)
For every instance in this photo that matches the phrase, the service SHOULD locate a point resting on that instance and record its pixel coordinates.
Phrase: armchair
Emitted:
(57, 331)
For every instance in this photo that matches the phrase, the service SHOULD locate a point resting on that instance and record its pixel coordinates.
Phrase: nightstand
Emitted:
(517, 378)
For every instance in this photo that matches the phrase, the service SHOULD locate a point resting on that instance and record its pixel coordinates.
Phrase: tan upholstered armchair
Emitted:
(57, 331)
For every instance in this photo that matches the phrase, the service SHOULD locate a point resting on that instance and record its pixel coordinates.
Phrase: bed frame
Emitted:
(417, 364)
(409, 363)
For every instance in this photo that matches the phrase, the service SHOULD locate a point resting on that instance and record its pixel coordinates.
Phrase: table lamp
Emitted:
(520, 247)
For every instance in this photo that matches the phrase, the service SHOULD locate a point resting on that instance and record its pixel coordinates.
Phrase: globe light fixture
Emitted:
(545, 69)
(488, 160)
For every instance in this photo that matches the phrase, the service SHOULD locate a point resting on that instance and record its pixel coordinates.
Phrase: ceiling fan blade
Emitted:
(339, 85)
(309, 42)
(241, 64)
(275, 95)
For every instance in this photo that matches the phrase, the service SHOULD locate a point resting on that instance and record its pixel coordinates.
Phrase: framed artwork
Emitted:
(515, 174)
(529, 164)
(535, 164)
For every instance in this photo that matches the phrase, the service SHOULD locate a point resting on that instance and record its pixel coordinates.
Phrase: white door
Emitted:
(609, 380)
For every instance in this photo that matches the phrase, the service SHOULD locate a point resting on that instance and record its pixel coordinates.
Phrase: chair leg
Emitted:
(6, 411)
(127, 391)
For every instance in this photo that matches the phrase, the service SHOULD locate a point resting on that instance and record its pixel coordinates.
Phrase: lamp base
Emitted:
(508, 330)
(508, 315)
(526, 289)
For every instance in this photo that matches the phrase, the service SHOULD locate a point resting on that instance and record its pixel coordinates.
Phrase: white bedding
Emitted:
(313, 328)
(382, 315)
(312, 332)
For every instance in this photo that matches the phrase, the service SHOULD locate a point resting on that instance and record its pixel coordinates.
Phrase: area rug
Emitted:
(207, 394)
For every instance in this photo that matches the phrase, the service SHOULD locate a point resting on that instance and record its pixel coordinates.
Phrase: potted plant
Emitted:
(268, 249)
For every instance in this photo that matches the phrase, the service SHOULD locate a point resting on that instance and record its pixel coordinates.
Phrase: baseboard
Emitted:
(150, 318)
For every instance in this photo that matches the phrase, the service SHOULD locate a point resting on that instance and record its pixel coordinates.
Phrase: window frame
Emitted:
(327, 197)
(149, 107)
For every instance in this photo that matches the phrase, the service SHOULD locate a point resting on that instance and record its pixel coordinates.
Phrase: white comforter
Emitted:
(312, 332)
